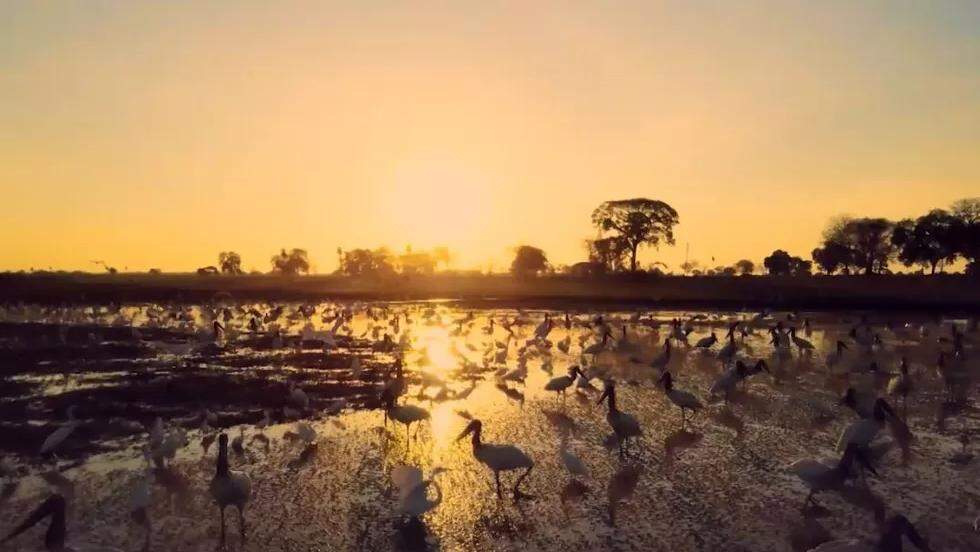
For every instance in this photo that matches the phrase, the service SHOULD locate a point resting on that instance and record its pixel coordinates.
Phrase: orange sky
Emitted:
(157, 135)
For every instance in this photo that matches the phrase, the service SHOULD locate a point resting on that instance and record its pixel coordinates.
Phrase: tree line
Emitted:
(849, 245)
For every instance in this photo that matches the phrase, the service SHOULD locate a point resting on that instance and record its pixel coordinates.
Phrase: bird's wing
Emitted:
(807, 469)
(406, 478)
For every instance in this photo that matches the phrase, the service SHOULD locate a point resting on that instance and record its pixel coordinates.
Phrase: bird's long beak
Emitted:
(467, 431)
(603, 396)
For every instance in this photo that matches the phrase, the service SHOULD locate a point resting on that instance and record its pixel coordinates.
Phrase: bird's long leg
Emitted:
(497, 476)
(517, 492)
(241, 522)
(222, 509)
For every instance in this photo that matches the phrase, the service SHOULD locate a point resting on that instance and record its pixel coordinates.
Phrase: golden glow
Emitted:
(157, 136)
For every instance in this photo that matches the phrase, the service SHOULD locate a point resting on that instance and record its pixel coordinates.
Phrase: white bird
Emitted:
(890, 540)
(413, 490)
(862, 432)
(59, 435)
(820, 477)
(561, 383)
(686, 401)
(229, 488)
(572, 463)
(498, 458)
(624, 425)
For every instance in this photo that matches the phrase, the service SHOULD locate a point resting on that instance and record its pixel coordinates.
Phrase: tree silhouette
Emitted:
(781, 263)
(608, 253)
(833, 257)
(364, 262)
(869, 241)
(637, 222)
(295, 261)
(967, 232)
(528, 261)
(745, 267)
(930, 240)
(230, 262)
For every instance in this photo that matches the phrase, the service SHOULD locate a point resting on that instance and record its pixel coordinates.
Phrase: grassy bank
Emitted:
(824, 292)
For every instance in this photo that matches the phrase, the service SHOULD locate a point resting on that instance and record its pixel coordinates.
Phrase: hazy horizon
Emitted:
(151, 135)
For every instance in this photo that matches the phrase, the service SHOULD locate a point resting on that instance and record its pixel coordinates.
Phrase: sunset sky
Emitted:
(158, 134)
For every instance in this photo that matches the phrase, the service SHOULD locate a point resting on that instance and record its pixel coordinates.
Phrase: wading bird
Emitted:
(561, 383)
(686, 401)
(820, 477)
(406, 414)
(624, 425)
(498, 457)
(229, 488)
(890, 540)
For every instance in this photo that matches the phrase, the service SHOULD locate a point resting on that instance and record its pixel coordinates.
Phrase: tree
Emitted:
(781, 263)
(416, 262)
(637, 222)
(967, 232)
(930, 240)
(528, 261)
(230, 262)
(745, 267)
(690, 267)
(442, 255)
(832, 257)
(967, 210)
(609, 253)
(291, 263)
(364, 262)
(868, 240)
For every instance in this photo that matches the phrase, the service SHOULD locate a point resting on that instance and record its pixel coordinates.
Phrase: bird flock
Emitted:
(600, 353)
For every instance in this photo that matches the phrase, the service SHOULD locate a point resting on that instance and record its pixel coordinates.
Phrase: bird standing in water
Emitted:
(624, 425)
(498, 457)
(229, 488)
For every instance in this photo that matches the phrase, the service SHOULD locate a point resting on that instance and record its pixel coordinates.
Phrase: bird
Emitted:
(837, 355)
(820, 477)
(901, 384)
(561, 383)
(728, 350)
(572, 463)
(663, 359)
(229, 488)
(890, 541)
(801, 344)
(686, 401)
(298, 397)
(624, 425)
(59, 435)
(729, 379)
(597, 347)
(498, 458)
(707, 342)
(406, 414)
(54, 538)
(413, 495)
(862, 432)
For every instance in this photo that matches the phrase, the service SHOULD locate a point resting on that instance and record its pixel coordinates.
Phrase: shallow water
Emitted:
(717, 483)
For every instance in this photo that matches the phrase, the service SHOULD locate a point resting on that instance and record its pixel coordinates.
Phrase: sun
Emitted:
(438, 204)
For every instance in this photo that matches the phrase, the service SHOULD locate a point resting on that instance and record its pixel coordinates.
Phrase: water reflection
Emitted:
(461, 365)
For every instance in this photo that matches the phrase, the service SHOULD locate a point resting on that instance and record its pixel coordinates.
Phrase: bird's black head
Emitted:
(223, 440)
